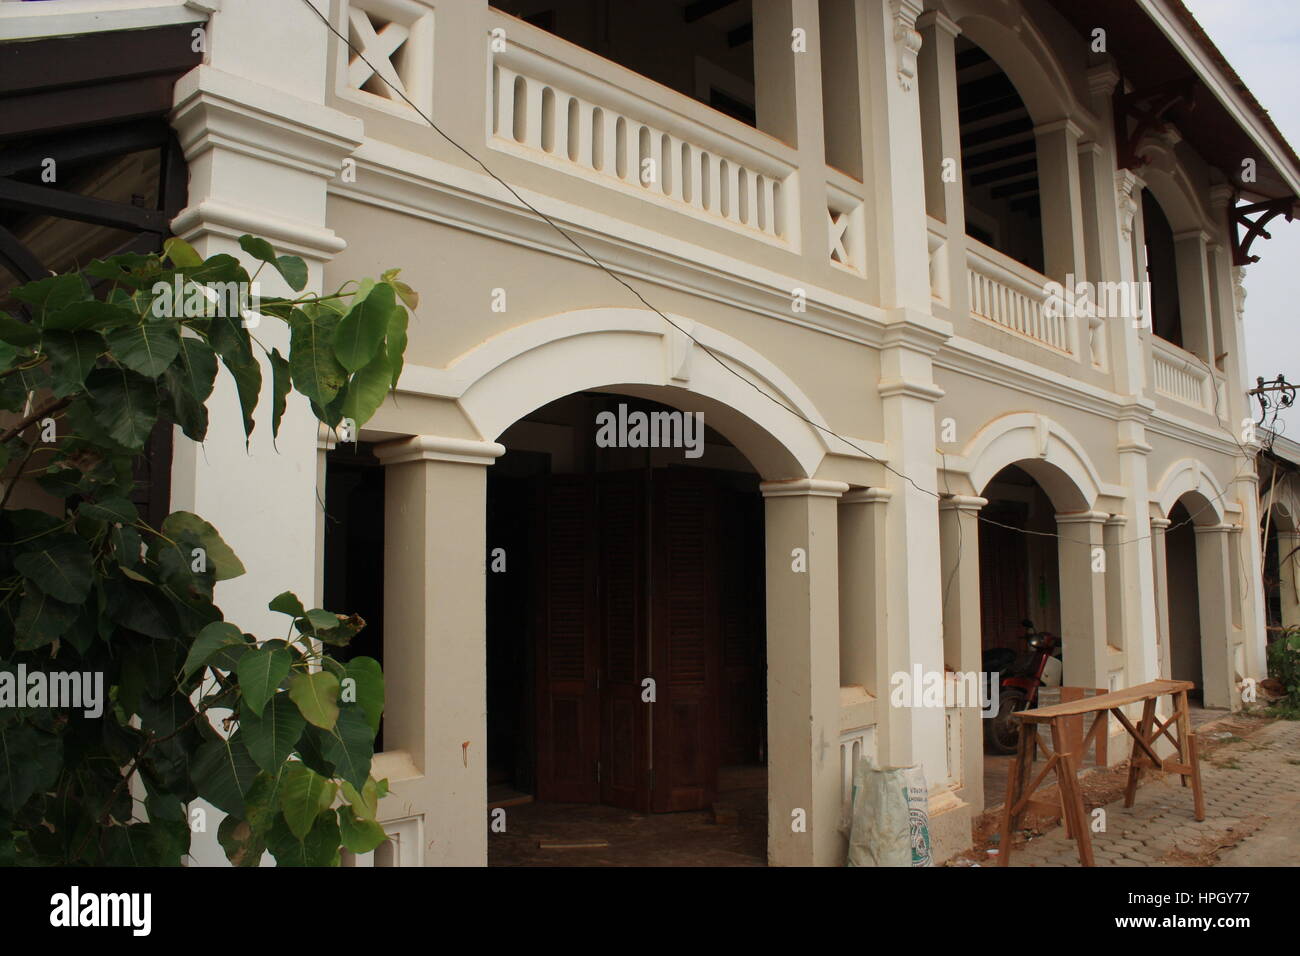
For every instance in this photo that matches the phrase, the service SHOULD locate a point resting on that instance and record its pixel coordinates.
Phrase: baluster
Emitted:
(533, 92)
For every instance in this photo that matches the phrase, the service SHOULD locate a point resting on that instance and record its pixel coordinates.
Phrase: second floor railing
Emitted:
(592, 124)
(1012, 296)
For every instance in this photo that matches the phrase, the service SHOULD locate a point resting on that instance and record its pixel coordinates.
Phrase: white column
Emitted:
(1161, 574)
(1083, 598)
(1289, 576)
(435, 634)
(941, 136)
(962, 641)
(256, 89)
(864, 556)
(803, 672)
(1059, 187)
(1137, 582)
(1214, 596)
(1194, 294)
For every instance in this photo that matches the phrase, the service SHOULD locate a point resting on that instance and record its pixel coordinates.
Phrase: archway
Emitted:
(436, 649)
(625, 637)
(1034, 537)
(1204, 606)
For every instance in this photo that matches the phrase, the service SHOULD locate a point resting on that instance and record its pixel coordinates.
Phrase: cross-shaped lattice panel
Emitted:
(388, 62)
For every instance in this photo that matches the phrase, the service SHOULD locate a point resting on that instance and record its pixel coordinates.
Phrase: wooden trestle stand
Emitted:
(1184, 762)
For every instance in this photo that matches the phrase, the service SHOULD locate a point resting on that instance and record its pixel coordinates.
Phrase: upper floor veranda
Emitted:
(973, 160)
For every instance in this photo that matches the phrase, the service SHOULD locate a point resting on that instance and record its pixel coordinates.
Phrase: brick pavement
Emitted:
(1246, 782)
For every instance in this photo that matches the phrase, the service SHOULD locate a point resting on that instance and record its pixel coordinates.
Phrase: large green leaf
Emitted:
(304, 795)
(316, 371)
(260, 672)
(30, 761)
(147, 348)
(292, 268)
(271, 737)
(223, 771)
(47, 296)
(281, 383)
(368, 688)
(248, 385)
(41, 619)
(361, 333)
(286, 602)
(350, 746)
(90, 315)
(396, 342)
(359, 835)
(60, 566)
(72, 356)
(17, 333)
(183, 525)
(189, 380)
(317, 696)
(367, 390)
(243, 845)
(211, 639)
(319, 847)
(124, 404)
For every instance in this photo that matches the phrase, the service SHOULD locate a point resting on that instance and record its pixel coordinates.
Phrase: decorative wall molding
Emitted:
(907, 41)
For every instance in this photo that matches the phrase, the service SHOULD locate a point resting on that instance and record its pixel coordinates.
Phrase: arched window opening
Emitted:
(1162, 272)
(999, 159)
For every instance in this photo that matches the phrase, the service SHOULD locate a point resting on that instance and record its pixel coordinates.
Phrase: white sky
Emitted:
(1261, 39)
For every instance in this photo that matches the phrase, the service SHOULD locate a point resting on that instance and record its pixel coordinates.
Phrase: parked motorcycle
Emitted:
(1020, 677)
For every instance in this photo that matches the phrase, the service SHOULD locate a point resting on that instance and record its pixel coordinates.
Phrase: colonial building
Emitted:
(956, 286)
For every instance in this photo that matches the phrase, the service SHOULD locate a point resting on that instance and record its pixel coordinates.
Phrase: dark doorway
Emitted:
(613, 572)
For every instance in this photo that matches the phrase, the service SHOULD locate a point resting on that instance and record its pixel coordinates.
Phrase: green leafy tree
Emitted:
(277, 733)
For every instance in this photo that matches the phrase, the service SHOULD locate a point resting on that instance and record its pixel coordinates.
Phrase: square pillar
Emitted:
(1194, 294)
(1288, 568)
(864, 553)
(803, 672)
(1083, 598)
(1214, 596)
(1160, 574)
(1061, 191)
(435, 665)
(962, 645)
(941, 142)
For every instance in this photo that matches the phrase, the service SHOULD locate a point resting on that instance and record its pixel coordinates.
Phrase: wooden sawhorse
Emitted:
(1183, 762)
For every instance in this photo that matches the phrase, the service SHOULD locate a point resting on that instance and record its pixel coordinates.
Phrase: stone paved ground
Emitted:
(1252, 812)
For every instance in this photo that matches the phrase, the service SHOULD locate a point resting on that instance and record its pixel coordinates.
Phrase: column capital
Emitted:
(1083, 517)
(939, 20)
(867, 496)
(1215, 528)
(1160, 525)
(1116, 521)
(1102, 79)
(1187, 234)
(439, 448)
(1065, 124)
(803, 487)
(970, 504)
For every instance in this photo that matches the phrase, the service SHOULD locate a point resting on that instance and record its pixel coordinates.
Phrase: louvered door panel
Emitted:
(568, 716)
(625, 759)
(685, 643)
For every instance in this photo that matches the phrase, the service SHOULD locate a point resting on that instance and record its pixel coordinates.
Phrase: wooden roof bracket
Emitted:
(1148, 109)
(1240, 217)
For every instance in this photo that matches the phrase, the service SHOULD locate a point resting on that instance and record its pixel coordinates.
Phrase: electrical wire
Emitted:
(642, 299)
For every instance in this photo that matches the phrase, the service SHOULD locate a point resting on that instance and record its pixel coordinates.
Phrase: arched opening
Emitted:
(999, 159)
(1162, 271)
(1184, 599)
(1019, 582)
(625, 544)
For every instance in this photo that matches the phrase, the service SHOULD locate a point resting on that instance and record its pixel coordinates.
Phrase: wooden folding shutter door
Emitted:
(622, 587)
(684, 641)
(568, 717)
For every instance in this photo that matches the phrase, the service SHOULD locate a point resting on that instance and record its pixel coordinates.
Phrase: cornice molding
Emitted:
(439, 448)
(803, 487)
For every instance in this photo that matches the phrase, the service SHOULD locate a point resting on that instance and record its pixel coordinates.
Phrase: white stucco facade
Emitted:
(876, 365)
